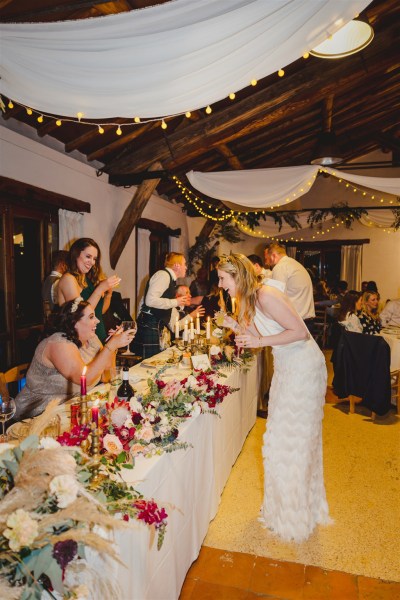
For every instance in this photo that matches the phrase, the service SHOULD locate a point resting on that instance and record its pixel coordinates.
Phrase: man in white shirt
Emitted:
(258, 267)
(159, 300)
(390, 316)
(296, 279)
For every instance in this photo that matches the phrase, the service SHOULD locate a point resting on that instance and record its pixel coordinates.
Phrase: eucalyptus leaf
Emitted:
(43, 561)
(29, 443)
(54, 573)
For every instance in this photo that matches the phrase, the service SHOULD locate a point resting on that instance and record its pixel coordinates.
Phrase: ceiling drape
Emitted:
(162, 60)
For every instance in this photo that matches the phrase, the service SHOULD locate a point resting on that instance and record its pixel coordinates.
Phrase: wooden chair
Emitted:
(320, 327)
(14, 375)
(395, 388)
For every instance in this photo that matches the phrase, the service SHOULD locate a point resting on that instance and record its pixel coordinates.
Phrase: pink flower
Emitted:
(112, 444)
(171, 389)
(146, 433)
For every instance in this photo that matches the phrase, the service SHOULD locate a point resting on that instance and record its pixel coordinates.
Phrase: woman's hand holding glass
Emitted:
(246, 340)
(230, 323)
(123, 335)
(109, 283)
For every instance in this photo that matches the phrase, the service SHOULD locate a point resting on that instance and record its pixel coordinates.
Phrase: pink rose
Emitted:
(112, 444)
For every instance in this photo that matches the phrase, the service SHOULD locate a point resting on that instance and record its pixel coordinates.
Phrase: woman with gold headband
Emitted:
(294, 493)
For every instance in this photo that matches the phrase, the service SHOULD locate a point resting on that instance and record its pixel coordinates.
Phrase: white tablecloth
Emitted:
(393, 339)
(191, 481)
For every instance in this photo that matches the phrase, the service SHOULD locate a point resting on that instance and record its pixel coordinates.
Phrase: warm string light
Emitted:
(261, 234)
(353, 188)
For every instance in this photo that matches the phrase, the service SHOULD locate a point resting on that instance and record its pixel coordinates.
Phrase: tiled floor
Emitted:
(222, 575)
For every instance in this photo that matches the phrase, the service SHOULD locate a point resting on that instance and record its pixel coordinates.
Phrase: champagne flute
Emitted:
(128, 325)
(7, 411)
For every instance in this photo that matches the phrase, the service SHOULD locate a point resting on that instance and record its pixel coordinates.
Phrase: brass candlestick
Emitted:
(84, 410)
(96, 477)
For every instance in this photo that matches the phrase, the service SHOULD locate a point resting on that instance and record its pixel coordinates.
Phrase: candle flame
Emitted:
(96, 402)
(84, 370)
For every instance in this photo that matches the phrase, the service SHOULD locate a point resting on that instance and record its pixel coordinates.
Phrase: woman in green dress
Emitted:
(84, 279)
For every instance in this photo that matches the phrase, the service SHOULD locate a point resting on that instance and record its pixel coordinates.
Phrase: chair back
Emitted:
(320, 327)
(16, 375)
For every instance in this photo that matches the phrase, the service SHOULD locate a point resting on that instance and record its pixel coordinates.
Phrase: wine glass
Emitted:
(7, 411)
(125, 326)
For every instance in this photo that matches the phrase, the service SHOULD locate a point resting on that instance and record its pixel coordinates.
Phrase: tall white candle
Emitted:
(177, 328)
(185, 332)
(208, 328)
(198, 324)
(191, 328)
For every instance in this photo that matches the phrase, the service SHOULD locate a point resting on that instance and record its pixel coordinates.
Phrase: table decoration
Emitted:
(49, 517)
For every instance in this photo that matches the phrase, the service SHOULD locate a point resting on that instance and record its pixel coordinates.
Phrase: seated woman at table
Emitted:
(369, 317)
(349, 307)
(59, 359)
(85, 278)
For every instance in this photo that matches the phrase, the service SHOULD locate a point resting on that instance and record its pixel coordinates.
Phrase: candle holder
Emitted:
(95, 464)
(84, 410)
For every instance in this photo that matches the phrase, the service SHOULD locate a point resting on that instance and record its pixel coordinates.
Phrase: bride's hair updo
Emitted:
(247, 284)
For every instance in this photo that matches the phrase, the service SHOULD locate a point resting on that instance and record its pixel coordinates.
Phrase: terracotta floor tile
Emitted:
(375, 589)
(278, 578)
(187, 589)
(329, 585)
(225, 568)
(204, 590)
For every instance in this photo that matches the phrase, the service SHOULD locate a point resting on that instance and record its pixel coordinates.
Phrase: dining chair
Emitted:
(320, 327)
(15, 375)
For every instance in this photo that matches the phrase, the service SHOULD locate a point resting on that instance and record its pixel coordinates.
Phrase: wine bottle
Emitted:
(125, 390)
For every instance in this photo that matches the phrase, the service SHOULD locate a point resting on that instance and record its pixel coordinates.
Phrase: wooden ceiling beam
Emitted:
(132, 215)
(287, 97)
(227, 153)
(121, 142)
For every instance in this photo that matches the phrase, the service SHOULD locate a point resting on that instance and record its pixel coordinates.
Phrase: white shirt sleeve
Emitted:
(157, 286)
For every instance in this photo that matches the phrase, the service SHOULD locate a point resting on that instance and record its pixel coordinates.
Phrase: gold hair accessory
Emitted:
(75, 304)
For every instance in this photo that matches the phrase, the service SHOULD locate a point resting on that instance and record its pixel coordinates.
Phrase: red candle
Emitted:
(95, 415)
(83, 381)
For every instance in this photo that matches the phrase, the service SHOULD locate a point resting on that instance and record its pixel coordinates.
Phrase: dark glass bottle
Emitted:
(125, 390)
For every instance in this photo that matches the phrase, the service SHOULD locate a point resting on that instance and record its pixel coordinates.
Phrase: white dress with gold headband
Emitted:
(294, 493)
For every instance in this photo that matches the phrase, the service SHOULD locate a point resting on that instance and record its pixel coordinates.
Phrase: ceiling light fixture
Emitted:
(353, 37)
(326, 152)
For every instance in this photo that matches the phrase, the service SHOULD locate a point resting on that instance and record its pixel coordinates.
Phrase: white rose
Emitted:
(23, 529)
(135, 405)
(112, 444)
(65, 488)
(215, 350)
(47, 443)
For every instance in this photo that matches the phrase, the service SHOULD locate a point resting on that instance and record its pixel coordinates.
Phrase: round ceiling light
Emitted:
(353, 37)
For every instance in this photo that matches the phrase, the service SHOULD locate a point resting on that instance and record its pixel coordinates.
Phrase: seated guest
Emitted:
(159, 300)
(390, 316)
(184, 313)
(369, 317)
(350, 305)
(321, 291)
(59, 266)
(59, 359)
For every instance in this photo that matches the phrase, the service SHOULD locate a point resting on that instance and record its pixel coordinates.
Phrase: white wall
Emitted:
(31, 162)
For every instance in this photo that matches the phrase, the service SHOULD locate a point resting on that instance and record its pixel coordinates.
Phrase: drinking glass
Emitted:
(128, 325)
(7, 411)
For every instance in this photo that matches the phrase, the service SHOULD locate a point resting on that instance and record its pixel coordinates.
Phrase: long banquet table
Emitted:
(189, 483)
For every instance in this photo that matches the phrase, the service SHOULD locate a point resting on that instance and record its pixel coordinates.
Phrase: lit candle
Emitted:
(95, 414)
(185, 332)
(83, 381)
(177, 328)
(208, 328)
(191, 328)
(198, 324)
(233, 301)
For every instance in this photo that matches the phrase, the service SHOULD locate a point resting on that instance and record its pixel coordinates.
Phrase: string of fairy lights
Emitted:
(224, 214)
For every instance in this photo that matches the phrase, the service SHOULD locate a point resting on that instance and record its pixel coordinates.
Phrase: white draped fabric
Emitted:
(162, 60)
(264, 188)
(351, 265)
(70, 228)
(378, 218)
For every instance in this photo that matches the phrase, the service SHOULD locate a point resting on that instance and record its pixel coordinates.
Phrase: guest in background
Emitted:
(59, 359)
(298, 284)
(364, 286)
(369, 317)
(350, 306)
(116, 313)
(212, 302)
(321, 291)
(261, 272)
(84, 279)
(59, 266)
(200, 285)
(184, 313)
(390, 315)
(158, 302)
(372, 287)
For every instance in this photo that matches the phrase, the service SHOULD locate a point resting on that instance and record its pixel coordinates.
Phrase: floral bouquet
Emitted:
(50, 517)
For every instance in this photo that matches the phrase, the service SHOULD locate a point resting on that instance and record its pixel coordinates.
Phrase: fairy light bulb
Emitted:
(79, 115)
(58, 123)
(253, 82)
(209, 110)
(40, 119)
(306, 55)
(10, 104)
(119, 131)
(101, 130)
(163, 124)
(28, 111)
(188, 114)
(232, 96)
(137, 119)
(281, 72)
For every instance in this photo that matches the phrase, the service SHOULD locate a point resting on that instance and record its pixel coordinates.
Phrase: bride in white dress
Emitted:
(294, 493)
